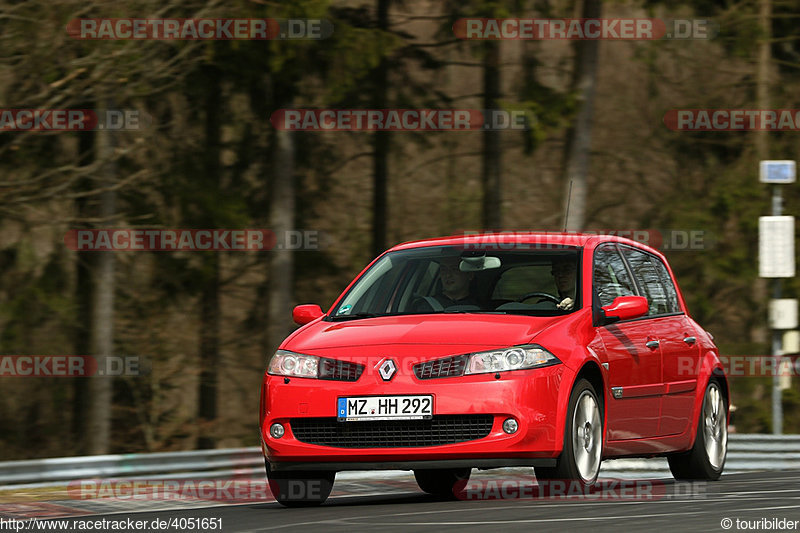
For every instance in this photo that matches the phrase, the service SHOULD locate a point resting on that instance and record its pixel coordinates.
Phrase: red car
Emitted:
(554, 351)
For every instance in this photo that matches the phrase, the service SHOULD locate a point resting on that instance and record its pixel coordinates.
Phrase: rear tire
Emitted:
(583, 439)
(706, 459)
(443, 482)
(300, 488)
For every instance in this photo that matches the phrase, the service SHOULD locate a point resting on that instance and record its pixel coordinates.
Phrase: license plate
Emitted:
(384, 408)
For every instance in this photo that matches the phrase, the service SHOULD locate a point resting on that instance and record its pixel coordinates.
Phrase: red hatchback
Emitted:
(554, 351)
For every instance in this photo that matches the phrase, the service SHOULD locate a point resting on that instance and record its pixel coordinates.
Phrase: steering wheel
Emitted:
(556, 300)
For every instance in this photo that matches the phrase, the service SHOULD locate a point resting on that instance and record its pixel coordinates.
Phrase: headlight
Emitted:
(514, 358)
(285, 363)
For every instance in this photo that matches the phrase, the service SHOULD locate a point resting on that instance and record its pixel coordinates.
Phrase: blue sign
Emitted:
(776, 172)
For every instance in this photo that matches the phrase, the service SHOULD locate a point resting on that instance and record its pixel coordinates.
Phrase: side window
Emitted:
(610, 276)
(649, 279)
(669, 286)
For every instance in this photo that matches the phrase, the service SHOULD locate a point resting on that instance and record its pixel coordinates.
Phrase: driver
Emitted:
(564, 271)
(455, 287)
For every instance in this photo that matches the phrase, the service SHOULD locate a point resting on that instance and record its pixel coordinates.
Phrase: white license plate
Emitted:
(384, 408)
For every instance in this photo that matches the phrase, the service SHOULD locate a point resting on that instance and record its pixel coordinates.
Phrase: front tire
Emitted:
(300, 488)
(706, 459)
(583, 439)
(443, 482)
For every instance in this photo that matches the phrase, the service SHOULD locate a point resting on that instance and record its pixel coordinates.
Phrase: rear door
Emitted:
(632, 354)
(676, 336)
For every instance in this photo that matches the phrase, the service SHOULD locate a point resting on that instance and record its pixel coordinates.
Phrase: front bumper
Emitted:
(531, 397)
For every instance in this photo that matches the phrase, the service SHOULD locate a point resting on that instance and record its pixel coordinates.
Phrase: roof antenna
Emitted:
(566, 215)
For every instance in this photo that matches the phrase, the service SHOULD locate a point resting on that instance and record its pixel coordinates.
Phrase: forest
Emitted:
(202, 152)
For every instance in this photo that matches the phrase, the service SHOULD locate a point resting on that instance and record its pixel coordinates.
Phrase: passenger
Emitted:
(456, 286)
(564, 271)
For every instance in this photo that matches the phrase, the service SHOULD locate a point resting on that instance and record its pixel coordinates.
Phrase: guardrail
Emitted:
(205, 464)
(746, 453)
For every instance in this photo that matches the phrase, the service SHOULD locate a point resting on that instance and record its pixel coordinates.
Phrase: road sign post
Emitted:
(776, 260)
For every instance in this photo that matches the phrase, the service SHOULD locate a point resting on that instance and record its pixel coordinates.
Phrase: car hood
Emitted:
(477, 331)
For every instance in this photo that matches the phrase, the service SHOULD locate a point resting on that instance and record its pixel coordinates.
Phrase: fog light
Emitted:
(510, 426)
(276, 431)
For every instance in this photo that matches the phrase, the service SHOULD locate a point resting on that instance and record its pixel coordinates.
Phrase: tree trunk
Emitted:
(580, 137)
(281, 265)
(763, 73)
(83, 299)
(102, 335)
(380, 172)
(759, 332)
(491, 219)
(209, 297)
(209, 352)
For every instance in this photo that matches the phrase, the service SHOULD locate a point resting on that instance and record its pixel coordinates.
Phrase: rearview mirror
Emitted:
(303, 314)
(624, 308)
(477, 263)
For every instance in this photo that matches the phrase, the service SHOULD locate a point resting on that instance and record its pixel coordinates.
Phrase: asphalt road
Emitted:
(398, 505)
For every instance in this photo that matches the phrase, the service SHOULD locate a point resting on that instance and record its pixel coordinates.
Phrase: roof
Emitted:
(522, 237)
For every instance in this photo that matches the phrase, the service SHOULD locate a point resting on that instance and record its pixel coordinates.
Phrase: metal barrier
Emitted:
(746, 453)
(175, 465)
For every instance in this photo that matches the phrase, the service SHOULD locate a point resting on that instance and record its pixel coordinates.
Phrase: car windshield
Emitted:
(448, 279)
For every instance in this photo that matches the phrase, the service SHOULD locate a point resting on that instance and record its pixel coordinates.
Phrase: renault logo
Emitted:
(387, 369)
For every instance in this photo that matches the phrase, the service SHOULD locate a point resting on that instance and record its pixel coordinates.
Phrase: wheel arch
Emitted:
(711, 369)
(591, 372)
(588, 367)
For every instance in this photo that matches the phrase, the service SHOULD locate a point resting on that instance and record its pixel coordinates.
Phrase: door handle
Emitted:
(689, 340)
(652, 344)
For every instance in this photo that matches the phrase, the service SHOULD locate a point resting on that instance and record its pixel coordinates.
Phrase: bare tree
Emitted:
(83, 300)
(380, 172)
(492, 152)
(576, 168)
(281, 264)
(102, 333)
(210, 272)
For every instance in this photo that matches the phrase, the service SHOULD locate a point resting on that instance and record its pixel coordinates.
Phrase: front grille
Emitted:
(334, 369)
(441, 368)
(439, 430)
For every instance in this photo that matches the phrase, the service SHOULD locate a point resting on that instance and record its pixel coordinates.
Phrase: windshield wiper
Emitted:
(534, 312)
(469, 311)
(354, 316)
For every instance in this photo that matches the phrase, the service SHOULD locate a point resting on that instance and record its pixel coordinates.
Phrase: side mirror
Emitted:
(624, 308)
(303, 314)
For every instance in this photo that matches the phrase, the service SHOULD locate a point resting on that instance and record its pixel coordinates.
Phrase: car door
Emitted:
(676, 338)
(631, 352)
(680, 359)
